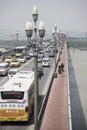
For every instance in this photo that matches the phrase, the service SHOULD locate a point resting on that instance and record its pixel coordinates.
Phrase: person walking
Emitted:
(62, 67)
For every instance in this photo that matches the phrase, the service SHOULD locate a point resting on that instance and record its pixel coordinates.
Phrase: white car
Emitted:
(4, 68)
(46, 62)
(40, 54)
(12, 72)
(47, 50)
(21, 59)
(39, 59)
(31, 53)
(27, 56)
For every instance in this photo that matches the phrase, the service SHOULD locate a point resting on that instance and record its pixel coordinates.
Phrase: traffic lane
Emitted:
(3, 80)
(44, 78)
(14, 127)
(46, 71)
(41, 84)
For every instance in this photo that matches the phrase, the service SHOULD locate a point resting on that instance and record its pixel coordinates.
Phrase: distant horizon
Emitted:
(11, 34)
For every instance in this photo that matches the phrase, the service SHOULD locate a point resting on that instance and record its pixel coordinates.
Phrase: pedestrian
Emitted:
(62, 67)
(59, 69)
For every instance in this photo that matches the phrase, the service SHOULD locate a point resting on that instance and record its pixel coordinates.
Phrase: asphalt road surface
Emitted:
(28, 66)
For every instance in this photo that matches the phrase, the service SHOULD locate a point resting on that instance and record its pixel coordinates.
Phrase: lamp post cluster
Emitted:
(55, 34)
(29, 32)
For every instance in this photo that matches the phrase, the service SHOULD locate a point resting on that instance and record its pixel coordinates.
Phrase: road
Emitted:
(28, 66)
(78, 88)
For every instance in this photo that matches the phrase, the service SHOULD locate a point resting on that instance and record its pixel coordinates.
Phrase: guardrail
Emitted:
(69, 101)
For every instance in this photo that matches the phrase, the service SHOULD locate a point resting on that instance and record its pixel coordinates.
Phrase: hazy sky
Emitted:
(67, 14)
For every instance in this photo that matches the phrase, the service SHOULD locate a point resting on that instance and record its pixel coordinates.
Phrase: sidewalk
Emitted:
(56, 112)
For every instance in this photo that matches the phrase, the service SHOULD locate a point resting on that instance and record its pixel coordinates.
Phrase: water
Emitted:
(12, 44)
(77, 43)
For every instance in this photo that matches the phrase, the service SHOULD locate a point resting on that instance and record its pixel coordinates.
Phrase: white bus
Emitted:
(17, 97)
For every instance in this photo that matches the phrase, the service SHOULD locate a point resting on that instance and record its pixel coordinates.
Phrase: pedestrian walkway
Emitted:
(56, 112)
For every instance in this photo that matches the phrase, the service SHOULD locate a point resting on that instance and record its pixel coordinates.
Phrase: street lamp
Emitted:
(17, 35)
(35, 18)
(54, 34)
(35, 14)
(29, 31)
(41, 30)
(59, 36)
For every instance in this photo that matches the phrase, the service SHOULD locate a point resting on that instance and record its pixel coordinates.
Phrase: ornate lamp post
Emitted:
(29, 31)
(54, 34)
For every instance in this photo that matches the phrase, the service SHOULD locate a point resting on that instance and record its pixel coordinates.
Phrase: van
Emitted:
(46, 62)
(12, 72)
(4, 68)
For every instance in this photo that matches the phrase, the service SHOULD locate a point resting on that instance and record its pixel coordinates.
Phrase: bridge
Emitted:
(66, 104)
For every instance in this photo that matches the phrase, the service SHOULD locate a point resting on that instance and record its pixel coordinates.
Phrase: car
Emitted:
(14, 63)
(4, 68)
(47, 50)
(12, 72)
(27, 56)
(21, 59)
(8, 59)
(52, 46)
(31, 53)
(18, 54)
(51, 54)
(40, 71)
(39, 59)
(55, 49)
(40, 54)
(46, 62)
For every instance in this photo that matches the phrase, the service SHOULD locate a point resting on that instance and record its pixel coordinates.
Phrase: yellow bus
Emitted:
(17, 97)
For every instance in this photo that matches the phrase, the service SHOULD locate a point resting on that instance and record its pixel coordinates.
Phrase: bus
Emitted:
(20, 50)
(17, 97)
(4, 52)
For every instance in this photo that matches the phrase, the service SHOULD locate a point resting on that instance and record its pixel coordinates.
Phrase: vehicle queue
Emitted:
(45, 56)
(25, 54)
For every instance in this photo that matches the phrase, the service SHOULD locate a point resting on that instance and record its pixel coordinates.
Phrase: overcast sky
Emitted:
(67, 14)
